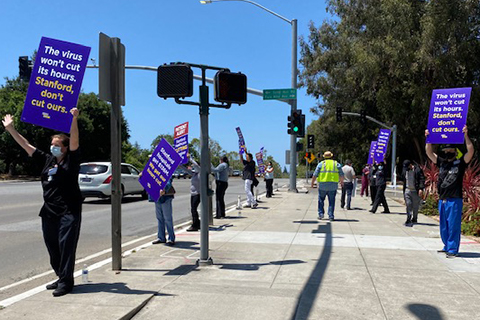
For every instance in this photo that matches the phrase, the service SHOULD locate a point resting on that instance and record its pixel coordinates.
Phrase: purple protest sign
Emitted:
(448, 115)
(382, 145)
(261, 165)
(159, 169)
(371, 153)
(241, 141)
(180, 141)
(55, 84)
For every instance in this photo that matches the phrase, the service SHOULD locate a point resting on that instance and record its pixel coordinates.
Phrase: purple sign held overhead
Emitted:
(180, 141)
(159, 169)
(448, 115)
(241, 141)
(371, 153)
(382, 145)
(55, 84)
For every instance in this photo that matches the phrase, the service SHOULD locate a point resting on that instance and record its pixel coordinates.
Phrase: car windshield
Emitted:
(93, 169)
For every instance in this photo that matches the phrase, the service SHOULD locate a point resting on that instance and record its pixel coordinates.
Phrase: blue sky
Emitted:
(236, 35)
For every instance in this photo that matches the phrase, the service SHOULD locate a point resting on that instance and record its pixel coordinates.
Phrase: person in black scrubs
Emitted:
(62, 208)
(381, 185)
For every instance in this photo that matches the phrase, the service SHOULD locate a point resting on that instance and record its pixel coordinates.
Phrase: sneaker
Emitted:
(408, 224)
(320, 218)
(414, 220)
(192, 229)
(254, 206)
(451, 255)
(158, 241)
(371, 211)
(170, 243)
(52, 286)
(331, 219)
(385, 211)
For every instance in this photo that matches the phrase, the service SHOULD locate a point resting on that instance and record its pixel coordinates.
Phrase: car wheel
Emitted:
(144, 195)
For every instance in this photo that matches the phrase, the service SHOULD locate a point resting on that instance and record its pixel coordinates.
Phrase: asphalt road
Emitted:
(23, 253)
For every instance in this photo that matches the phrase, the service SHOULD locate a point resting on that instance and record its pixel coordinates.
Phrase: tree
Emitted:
(386, 57)
(216, 151)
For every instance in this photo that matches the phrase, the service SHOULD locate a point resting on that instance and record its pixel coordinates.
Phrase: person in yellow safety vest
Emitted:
(328, 174)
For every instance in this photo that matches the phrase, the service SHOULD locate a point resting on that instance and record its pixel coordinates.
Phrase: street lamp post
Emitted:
(293, 102)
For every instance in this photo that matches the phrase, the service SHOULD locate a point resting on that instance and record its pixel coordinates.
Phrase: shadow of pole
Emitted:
(309, 292)
(425, 311)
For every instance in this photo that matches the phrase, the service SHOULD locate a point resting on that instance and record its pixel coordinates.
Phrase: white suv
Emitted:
(95, 180)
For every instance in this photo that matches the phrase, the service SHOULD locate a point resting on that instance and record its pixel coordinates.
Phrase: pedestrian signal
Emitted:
(230, 87)
(174, 81)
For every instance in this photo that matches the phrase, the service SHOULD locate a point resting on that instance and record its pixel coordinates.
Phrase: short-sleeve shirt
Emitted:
(349, 172)
(61, 193)
(450, 178)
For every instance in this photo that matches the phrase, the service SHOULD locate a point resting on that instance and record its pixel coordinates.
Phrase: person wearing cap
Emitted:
(347, 188)
(413, 185)
(328, 174)
(450, 191)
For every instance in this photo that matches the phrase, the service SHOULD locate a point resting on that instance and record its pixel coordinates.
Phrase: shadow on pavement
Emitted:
(425, 311)
(222, 227)
(468, 255)
(107, 200)
(309, 292)
(307, 221)
(118, 287)
(256, 266)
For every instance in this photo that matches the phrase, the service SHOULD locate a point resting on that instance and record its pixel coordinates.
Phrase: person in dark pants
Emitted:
(269, 179)
(450, 191)
(347, 187)
(372, 179)
(221, 182)
(194, 194)
(62, 208)
(413, 185)
(249, 176)
(381, 184)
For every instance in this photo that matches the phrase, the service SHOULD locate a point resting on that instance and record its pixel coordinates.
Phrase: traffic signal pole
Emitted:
(394, 142)
(293, 104)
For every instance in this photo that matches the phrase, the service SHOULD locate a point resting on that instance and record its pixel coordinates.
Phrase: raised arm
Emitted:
(428, 149)
(74, 139)
(9, 126)
(470, 150)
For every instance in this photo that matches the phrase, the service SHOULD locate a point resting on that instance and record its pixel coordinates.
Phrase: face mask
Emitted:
(56, 151)
(380, 167)
(450, 155)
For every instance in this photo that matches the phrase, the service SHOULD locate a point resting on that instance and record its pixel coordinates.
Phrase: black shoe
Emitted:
(320, 218)
(62, 290)
(218, 217)
(170, 243)
(408, 224)
(414, 220)
(385, 211)
(158, 241)
(451, 255)
(192, 229)
(349, 209)
(371, 211)
(254, 206)
(331, 219)
(441, 251)
(52, 286)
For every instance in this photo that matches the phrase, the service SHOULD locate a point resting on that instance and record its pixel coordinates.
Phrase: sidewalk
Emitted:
(279, 262)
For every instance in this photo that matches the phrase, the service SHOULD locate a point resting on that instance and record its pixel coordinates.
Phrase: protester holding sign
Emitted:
(450, 192)
(221, 182)
(269, 179)
(163, 211)
(249, 176)
(194, 193)
(62, 208)
(381, 185)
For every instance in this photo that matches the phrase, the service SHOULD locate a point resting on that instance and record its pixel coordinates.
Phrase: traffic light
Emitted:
(174, 81)
(301, 131)
(230, 87)
(363, 117)
(295, 123)
(338, 113)
(299, 147)
(310, 141)
(24, 68)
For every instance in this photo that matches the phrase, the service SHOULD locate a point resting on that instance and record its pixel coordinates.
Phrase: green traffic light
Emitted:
(295, 129)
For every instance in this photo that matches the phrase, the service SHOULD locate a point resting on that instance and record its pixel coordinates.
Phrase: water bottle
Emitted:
(85, 274)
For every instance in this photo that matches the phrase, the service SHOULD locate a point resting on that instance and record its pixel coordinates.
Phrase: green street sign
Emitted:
(279, 94)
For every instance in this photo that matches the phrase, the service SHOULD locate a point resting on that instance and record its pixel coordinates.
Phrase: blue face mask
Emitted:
(380, 167)
(56, 151)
